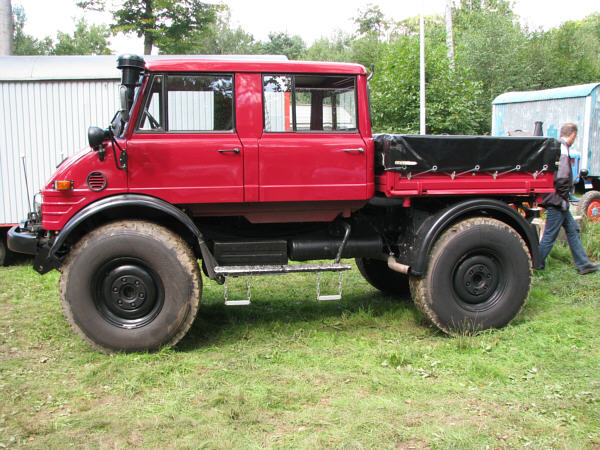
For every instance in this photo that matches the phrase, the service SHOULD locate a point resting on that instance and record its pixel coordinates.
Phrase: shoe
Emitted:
(588, 268)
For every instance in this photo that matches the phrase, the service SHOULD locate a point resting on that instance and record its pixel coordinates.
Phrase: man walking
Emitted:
(557, 208)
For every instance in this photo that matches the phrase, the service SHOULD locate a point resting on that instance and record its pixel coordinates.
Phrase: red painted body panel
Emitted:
(59, 206)
(256, 66)
(186, 168)
(279, 212)
(396, 185)
(309, 167)
(248, 100)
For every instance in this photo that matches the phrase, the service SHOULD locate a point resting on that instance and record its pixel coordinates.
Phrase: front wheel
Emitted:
(130, 286)
(478, 277)
(3, 250)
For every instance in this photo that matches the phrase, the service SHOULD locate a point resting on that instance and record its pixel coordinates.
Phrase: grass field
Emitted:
(366, 372)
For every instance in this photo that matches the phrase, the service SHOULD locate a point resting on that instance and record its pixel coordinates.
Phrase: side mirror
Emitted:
(96, 136)
(583, 173)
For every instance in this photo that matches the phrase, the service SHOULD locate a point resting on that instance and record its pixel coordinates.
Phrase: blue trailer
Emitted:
(517, 112)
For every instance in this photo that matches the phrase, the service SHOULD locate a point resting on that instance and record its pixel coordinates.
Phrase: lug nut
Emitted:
(124, 280)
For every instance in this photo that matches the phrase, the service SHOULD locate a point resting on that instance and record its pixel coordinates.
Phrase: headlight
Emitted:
(37, 203)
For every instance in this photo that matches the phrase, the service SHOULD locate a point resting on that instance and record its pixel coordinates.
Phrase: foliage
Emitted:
(289, 372)
(92, 40)
(283, 44)
(86, 40)
(24, 44)
(166, 24)
(221, 39)
(451, 96)
(371, 21)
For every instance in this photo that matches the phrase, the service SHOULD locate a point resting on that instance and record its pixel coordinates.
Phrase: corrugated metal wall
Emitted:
(45, 121)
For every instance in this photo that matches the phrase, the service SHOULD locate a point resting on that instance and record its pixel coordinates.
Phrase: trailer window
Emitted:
(309, 103)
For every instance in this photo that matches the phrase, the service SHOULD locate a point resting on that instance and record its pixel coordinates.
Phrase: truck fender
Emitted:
(129, 202)
(427, 232)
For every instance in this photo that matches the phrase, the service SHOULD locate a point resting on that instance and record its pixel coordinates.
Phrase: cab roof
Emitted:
(253, 64)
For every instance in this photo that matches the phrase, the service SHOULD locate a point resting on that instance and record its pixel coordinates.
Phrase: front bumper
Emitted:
(22, 240)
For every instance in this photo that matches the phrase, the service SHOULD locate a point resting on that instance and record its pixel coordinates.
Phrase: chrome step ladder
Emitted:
(282, 269)
(250, 271)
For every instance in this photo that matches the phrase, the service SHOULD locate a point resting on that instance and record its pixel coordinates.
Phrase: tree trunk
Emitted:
(449, 33)
(148, 36)
(148, 43)
(6, 28)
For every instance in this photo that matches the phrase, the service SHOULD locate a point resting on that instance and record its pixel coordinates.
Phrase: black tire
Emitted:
(589, 206)
(3, 250)
(380, 276)
(130, 286)
(478, 277)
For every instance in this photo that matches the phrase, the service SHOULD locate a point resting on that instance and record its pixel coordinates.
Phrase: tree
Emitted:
(219, 38)
(371, 21)
(451, 95)
(92, 40)
(492, 49)
(6, 28)
(162, 23)
(24, 44)
(283, 44)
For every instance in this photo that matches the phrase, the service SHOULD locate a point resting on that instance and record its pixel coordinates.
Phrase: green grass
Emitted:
(366, 372)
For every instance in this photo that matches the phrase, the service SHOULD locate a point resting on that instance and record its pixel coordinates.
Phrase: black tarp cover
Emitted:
(417, 153)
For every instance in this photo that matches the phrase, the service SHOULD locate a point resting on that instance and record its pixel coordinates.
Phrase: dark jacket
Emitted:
(563, 184)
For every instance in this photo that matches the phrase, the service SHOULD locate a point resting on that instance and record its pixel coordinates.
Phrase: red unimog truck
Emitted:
(247, 165)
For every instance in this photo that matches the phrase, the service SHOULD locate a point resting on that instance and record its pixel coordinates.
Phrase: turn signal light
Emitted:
(63, 185)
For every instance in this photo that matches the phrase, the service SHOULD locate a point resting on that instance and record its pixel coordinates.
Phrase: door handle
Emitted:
(229, 150)
(359, 150)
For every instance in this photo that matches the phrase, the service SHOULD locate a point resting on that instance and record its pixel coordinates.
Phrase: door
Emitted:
(311, 149)
(185, 149)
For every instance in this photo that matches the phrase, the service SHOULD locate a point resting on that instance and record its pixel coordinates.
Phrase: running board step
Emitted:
(238, 271)
(249, 271)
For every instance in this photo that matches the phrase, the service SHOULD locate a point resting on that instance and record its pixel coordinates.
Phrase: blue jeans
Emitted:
(556, 218)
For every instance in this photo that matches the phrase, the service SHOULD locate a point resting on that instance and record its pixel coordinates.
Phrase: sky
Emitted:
(310, 19)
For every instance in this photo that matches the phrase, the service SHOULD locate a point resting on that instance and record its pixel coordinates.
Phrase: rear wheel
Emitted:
(130, 286)
(589, 206)
(380, 276)
(478, 277)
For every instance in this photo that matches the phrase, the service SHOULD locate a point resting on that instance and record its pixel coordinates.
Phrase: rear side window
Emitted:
(309, 103)
(194, 103)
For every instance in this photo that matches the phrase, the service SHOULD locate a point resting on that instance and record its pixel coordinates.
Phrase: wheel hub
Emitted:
(476, 279)
(593, 211)
(127, 294)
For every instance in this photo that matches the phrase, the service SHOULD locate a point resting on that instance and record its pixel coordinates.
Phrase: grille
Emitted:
(96, 181)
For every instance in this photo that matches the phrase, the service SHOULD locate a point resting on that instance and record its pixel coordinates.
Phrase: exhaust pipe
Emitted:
(396, 266)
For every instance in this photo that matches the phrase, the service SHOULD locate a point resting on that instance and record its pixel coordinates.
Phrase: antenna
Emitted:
(26, 183)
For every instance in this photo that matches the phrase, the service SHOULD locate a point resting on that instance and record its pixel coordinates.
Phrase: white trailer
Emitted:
(47, 104)
(554, 107)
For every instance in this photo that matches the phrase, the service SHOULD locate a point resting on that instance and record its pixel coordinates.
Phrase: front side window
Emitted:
(195, 103)
(305, 103)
